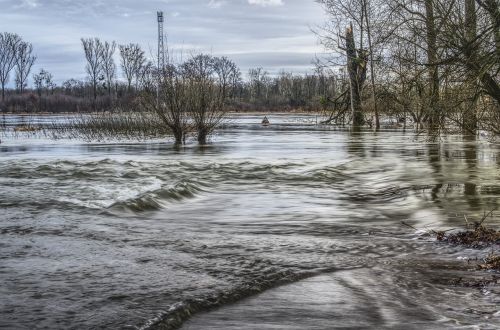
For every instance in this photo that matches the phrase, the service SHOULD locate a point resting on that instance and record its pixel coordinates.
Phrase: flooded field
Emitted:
(140, 235)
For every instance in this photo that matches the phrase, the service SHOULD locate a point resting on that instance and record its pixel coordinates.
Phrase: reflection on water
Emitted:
(129, 234)
(470, 187)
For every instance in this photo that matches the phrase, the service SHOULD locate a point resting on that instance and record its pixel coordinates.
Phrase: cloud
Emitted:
(216, 3)
(28, 4)
(247, 30)
(266, 3)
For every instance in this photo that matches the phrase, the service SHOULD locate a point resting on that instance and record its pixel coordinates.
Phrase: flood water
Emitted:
(140, 235)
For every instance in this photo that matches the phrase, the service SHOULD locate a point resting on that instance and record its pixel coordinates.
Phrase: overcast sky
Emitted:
(274, 34)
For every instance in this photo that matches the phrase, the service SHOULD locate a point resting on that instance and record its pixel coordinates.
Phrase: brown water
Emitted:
(139, 235)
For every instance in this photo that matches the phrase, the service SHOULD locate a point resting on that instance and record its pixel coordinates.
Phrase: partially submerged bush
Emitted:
(191, 96)
(111, 125)
(479, 237)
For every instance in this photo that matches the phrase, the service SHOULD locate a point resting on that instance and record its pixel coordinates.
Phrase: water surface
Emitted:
(133, 235)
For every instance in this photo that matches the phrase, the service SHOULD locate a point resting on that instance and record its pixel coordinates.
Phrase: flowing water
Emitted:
(141, 235)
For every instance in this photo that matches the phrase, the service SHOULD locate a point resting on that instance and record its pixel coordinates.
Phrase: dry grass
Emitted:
(116, 125)
(492, 262)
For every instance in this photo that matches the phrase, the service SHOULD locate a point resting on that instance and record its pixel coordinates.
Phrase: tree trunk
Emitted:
(353, 65)
(95, 95)
(372, 69)
(493, 9)
(435, 116)
(202, 139)
(470, 117)
(179, 137)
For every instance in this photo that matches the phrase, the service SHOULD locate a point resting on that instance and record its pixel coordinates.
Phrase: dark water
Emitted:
(140, 234)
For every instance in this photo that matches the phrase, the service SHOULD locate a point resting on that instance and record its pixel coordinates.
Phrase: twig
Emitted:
(410, 226)
(486, 216)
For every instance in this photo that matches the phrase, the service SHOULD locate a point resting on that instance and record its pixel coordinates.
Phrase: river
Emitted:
(140, 235)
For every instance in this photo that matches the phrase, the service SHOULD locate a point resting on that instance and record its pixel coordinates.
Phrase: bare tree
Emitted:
(93, 48)
(43, 81)
(207, 81)
(146, 74)
(228, 74)
(132, 61)
(8, 48)
(356, 67)
(38, 81)
(469, 60)
(470, 116)
(192, 95)
(74, 87)
(365, 4)
(171, 103)
(258, 79)
(349, 49)
(432, 63)
(108, 64)
(24, 62)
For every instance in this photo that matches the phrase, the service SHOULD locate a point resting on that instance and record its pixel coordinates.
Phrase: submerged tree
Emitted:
(356, 67)
(191, 96)
(356, 18)
(170, 103)
(208, 81)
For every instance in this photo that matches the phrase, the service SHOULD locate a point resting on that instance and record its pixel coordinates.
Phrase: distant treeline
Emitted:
(264, 93)
(106, 87)
(261, 92)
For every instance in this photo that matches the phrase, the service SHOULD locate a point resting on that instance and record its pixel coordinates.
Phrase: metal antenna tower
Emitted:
(161, 44)
(161, 55)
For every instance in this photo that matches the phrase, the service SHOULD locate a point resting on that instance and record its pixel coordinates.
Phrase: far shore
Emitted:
(297, 111)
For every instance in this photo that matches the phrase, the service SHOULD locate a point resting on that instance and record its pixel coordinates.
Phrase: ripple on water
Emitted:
(135, 235)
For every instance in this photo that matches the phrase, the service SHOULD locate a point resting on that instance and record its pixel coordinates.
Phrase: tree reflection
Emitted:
(355, 144)
(470, 187)
(434, 150)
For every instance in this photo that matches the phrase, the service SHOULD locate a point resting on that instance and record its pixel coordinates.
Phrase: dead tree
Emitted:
(356, 68)
(340, 104)
(365, 9)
